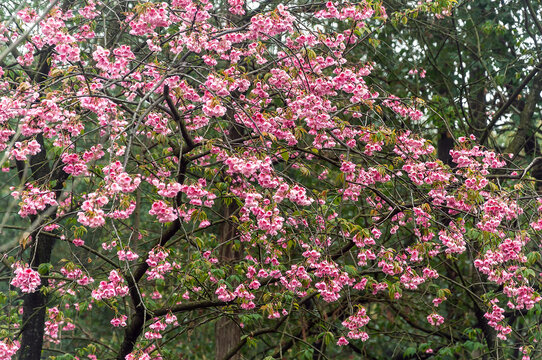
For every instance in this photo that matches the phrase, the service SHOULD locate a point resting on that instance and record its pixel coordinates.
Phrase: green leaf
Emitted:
(285, 154)
(44, 268)
(529, 273)
(328, 337)
(409, 351)
(350, 269)
(533, 257)
(307, 354)
(446, 351)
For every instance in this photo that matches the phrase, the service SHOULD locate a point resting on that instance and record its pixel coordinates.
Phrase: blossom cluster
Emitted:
(115, 287)
(26, 279)
(8, 349)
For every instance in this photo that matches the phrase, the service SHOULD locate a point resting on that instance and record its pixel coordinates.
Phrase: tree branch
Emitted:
(512, 98)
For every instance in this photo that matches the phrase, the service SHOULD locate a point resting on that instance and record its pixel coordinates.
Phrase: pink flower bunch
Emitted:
(158, 124)
(346, 11)
(24, 149)
(163, 212)
(334, 280)
(298, 195)
(224, 294)
(150, 19)
(525, 297)
(270, 221)
(73, 273)
(495, 318)
(123, 213)
(127, 255)
(157, 264)
(365, 255)
(408, 146)
(115, 287)
(411, 280)
(33, 199)
(355, 323)
(468, 158)
(296, 279)
(420, 72)
(118, 180)
(426, 173)
(272, 23)
(453, 240)
(198, 195)
(242, 293)
(166, 190)
(88, 12)
(403, 110)
(75, 165)
(157, 327)
(119, 321)
(56, 323)
(8, 349)
(92, 214)
(26, 279)
(435, 319)
(213, 107)
(236, 7)
(138, 355)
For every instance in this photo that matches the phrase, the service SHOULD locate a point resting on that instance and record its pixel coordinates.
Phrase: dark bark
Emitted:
(445, 144)
(477, 104)
(525, 137)
(525, 127)
(227, 331)
(34, 304)
(227, 335)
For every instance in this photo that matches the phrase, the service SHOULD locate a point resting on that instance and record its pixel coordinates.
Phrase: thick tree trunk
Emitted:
(227, 335)
(445, 144)
(34, 304)
(525, 127)
(477, 103)
(227, 331)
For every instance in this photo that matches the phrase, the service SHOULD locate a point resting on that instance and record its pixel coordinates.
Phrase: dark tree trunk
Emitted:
(227, 335)
(445, 144)
(477, 103)
(227, 331)
(34, 305)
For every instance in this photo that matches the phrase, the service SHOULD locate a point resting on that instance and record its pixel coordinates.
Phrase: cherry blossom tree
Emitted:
(195, 178)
